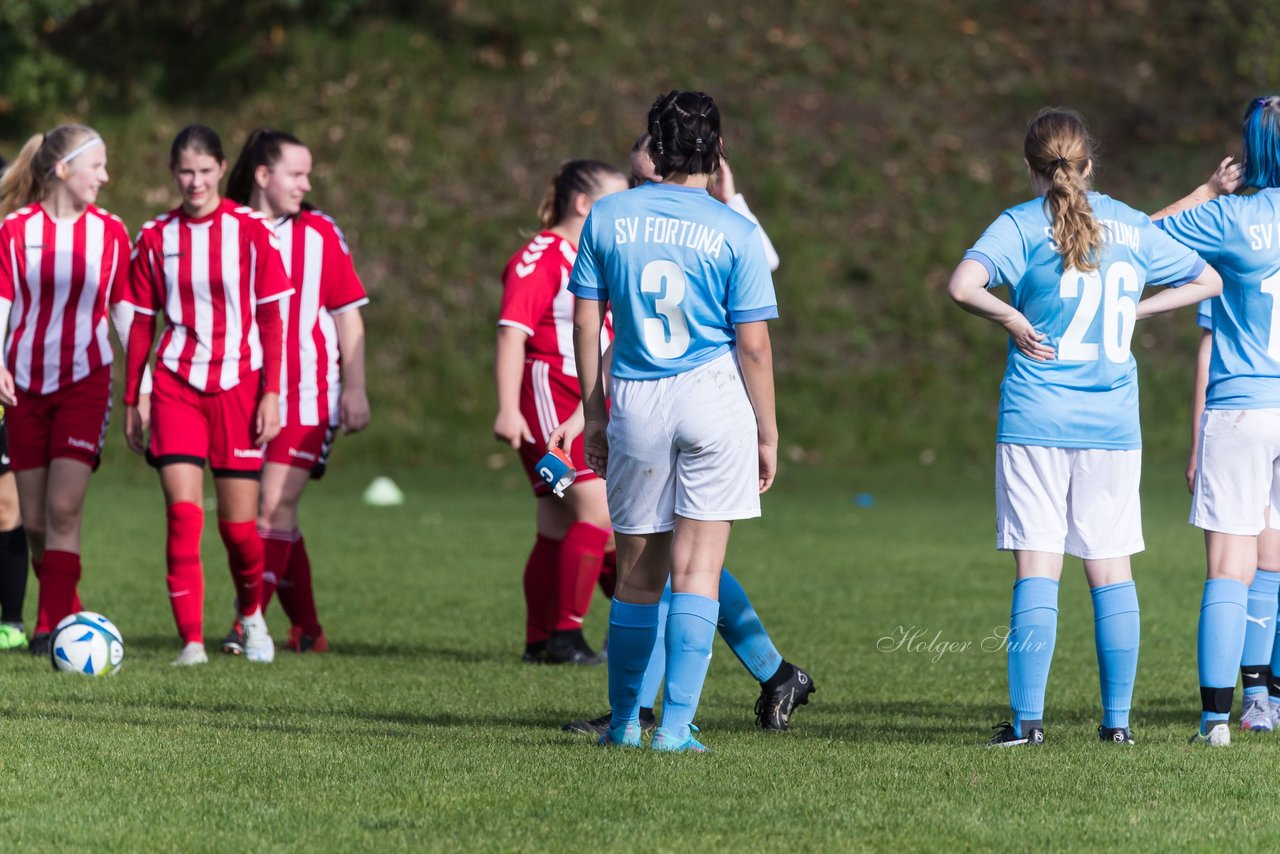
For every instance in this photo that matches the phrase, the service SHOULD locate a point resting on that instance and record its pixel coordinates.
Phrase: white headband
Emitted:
(77, 151)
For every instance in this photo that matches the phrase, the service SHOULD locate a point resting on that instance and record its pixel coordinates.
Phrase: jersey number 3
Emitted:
(1119, 312)
(669, 339)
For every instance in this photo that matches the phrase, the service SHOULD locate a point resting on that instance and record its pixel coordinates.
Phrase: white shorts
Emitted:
(1078, 501)
(1238, 471)
(682, 445)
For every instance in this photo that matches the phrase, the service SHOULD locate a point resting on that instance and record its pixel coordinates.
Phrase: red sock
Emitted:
(186, 577)
(297, 597)
(244, 556)
(581, 555)
(540, 573)
(275, 560)
(57, 599)
(609, 574)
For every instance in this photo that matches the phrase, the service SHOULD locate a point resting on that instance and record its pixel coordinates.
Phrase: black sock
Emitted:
(784, 672)
(1255, 677)
(13, 574)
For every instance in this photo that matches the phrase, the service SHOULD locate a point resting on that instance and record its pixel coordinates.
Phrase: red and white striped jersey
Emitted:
(59, 275)
(208, 276)
(536, 299)
(318, 262)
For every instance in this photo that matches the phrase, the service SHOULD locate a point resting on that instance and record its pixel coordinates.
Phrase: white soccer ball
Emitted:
(87, 643)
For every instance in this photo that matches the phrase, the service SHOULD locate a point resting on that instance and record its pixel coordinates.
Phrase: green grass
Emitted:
(422, 730)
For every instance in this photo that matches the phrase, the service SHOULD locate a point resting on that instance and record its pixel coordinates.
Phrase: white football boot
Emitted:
(258, 645)
(192, 654)
(1219, 735)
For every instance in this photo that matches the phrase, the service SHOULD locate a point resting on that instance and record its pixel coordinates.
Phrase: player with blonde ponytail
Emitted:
(1068, 453)
(55, 380)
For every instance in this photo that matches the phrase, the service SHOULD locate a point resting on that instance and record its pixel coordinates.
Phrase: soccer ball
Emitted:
(87, 643)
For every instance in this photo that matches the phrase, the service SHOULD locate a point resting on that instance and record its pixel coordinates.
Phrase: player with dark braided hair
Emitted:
(691, 295)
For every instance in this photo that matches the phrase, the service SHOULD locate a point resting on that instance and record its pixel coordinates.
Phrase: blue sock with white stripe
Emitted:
(1115, 634)
(1219, 643)
(1033, 631)
(741, 628)
(1259, 632)
(657, 666)
(632, 629)
(691, 629)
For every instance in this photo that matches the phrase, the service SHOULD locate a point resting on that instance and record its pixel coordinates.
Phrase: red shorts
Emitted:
(303, 447)
(189, 426)
(548, 397)
(70, 423)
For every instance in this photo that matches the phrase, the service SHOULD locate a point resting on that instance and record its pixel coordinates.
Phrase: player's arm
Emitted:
(354, 403)
(1224, 181)
(1206, 285)
(725, 189)
(1199, 389)
(755, 355)
(508, 372)
(968, 287)
(588, 320)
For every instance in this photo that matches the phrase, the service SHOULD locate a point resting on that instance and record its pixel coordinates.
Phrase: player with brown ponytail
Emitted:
(1068, 453)
(537, 389)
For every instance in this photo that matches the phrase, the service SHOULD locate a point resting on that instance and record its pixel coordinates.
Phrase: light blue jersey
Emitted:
(1204, 315)
(1240, 237)
(1087, 396)
(678, 269)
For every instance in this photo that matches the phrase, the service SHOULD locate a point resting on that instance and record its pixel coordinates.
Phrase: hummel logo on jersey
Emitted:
(532, 254)
(35, 245)
(1262, 621)
(173, 254)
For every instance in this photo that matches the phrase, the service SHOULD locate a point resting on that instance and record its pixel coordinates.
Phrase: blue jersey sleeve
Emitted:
(750, 295)
(1169, 262)
(585, 280)
(1203, 228)
(1204, 315)
(1003, 251)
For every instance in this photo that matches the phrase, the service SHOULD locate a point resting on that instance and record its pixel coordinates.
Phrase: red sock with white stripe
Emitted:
(58, 579)
(276, 545)
(186, 576)
(244, 556)
(541, 571)
(581, 555)
(609, 574)
(297, 597)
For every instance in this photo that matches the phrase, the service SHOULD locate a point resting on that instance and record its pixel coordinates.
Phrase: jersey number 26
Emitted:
(1119, 312)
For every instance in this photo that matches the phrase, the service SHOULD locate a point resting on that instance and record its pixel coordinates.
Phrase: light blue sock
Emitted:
(632, 629)
(1115, 634)
(657, 666)
(1219, 643)
(691, 629)
(1274, 685)
(1260, 630)
(1033, 630)
(742, 630)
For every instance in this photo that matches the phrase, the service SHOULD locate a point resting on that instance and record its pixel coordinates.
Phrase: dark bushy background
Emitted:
(874, 139)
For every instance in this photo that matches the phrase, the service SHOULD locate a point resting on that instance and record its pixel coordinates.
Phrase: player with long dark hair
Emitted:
(1237, 476)
(537, 389)
(1068, 453)
(691, 295)
(322, 388)
(61, 258)
(213, 268)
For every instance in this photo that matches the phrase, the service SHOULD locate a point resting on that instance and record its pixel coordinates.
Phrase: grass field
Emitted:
(422, 730)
